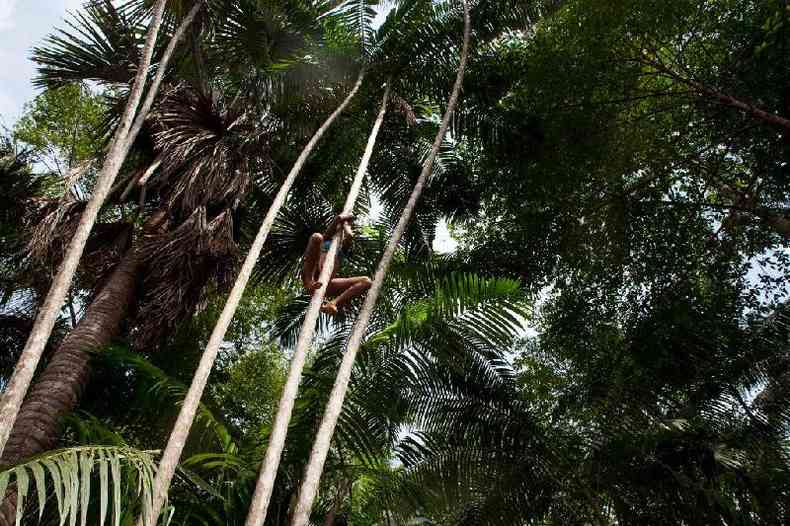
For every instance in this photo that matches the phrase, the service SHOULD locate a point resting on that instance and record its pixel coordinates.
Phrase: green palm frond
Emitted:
(282, 254)
(357, 16)
(88, 429)
(102, 44)
(159, 385)
(433, 330)
(255, 35)
(70, 472)
(488, 309)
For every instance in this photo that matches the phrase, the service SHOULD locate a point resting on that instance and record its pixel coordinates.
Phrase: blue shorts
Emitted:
(325, 249)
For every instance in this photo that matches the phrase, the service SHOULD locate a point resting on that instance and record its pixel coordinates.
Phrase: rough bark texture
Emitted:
(334, 406)
(180, 433)
(45, 322)
(58, 390)
(271, 461)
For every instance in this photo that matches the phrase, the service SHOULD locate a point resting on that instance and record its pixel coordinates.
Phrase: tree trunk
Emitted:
(719, 97)
(57, 391)
(186, 416)
(749, 109)
(334, 406)
(47, 316)
(271, 461)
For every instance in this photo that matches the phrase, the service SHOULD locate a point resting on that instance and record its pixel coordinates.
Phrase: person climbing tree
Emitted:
(344, 289)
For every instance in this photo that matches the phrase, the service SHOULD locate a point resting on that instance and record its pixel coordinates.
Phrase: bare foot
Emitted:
(329, 308)
(314, 286)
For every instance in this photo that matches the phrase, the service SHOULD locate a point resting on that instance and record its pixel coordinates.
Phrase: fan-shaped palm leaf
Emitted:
(103, 44)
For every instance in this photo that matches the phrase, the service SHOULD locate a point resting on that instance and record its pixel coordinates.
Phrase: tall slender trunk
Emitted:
(178, 437)
(57, 391)
(334, 406)
(45, 321)
(271, 461)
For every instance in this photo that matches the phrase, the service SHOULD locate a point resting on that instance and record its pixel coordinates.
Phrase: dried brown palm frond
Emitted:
(52, 222)
(405, 109)
(210, 149)
(183, 264)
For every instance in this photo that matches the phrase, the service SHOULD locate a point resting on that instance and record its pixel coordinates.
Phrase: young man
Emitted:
(343, 289)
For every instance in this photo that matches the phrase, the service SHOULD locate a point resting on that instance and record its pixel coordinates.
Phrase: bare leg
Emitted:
(312, 257)
(348, 288)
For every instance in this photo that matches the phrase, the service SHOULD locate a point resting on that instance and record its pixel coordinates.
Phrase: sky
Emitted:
(23, 24)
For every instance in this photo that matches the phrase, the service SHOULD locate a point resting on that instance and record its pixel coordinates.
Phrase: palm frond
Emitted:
(69, 473)
(210, 147)
(101, 44)
(186, 263)
(357, 16)
(159, 385)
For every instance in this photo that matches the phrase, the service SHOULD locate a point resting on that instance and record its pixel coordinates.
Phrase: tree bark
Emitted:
(178, 437)
(271, 461)
(334, 406)
(58, 390)
(750, 109)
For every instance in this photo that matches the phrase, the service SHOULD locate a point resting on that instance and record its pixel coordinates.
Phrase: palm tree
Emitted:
(42, 329)
(130, 124)
(437, 315)
(199, 135)
(496, 444)
(433, 315)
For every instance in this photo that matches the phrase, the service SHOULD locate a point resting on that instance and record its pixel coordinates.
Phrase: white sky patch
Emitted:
(381, 14)
(6, 12)
(23, 25)
(444, 242)
(8, 106)
(757, 270)
(73, 5)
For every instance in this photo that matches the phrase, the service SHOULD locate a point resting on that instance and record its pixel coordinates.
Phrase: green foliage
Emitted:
(62, 126)
(159, 386)
(251, 388)
(592, 173)
(69, 474)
